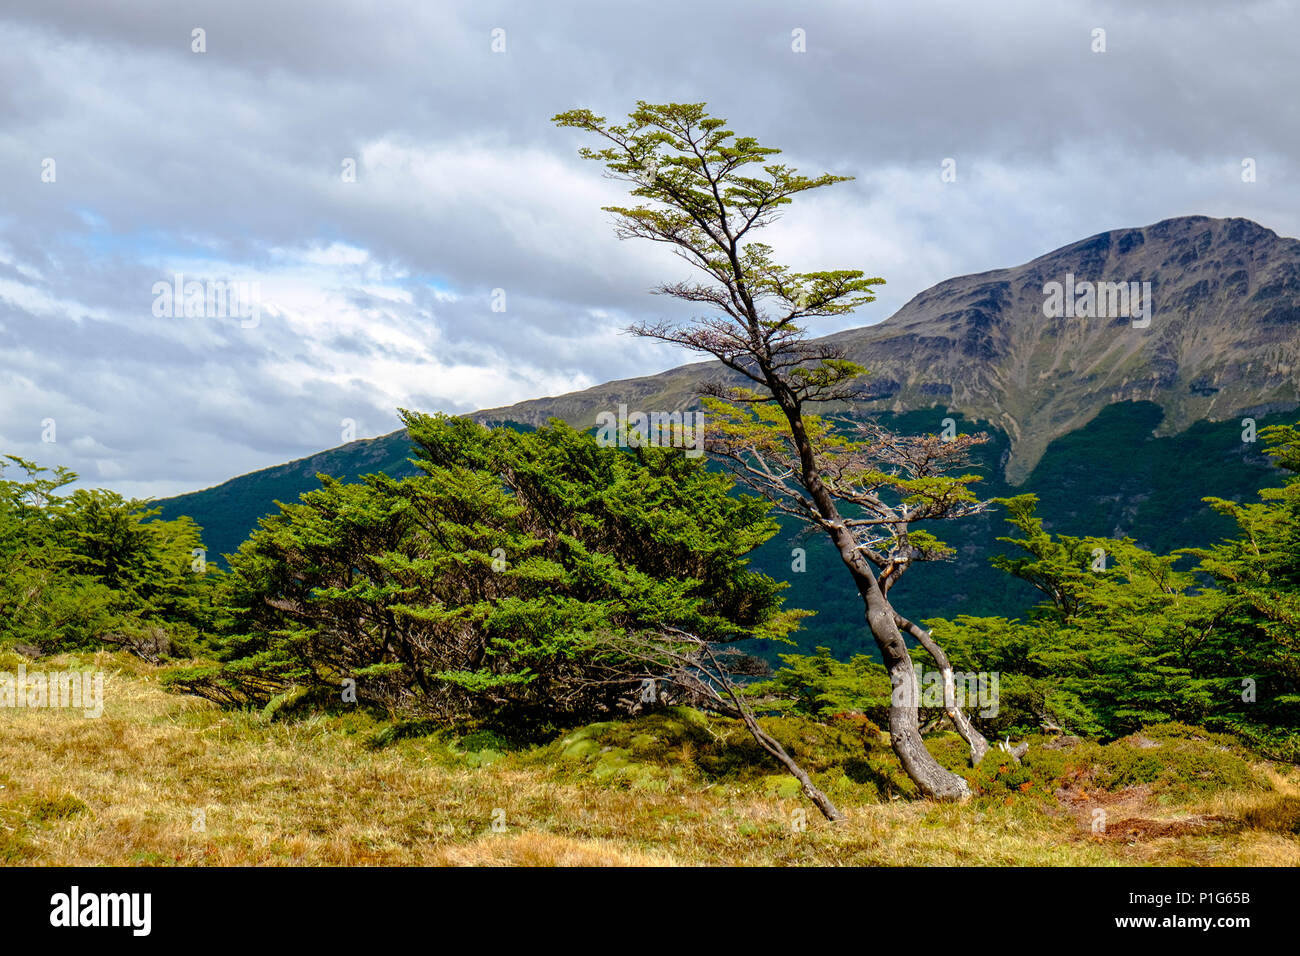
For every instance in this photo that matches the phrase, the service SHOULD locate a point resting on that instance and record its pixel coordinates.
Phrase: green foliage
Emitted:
(1129, 640)
(1258, 573)
(1105, 651)
(92, 567)
(875, 475)
(1112, 473)
(819, 686)
(679, 745)
(704, 189)
(1120, 638)
(495, 580)
(1169, 758)
(50, 809)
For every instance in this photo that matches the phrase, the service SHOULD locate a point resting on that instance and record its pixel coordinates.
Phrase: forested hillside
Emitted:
(1113, 477)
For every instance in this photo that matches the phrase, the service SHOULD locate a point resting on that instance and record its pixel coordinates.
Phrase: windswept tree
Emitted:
(525, 578)
(705, 191)
(490, 584)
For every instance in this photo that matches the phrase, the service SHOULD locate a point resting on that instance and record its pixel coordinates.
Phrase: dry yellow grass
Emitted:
(164, 779)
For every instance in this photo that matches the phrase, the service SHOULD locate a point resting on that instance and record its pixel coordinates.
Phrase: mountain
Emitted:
(1223, 342)
(1120, 426)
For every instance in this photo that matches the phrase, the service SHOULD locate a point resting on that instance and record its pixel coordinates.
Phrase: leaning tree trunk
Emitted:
(770, 743)
(979, 746)
(773, 747)
(933, 779)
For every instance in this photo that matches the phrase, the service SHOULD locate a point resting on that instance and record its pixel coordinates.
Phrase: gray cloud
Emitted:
(226, 165)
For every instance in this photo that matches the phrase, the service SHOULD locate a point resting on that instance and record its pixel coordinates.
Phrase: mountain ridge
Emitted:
(980, 343)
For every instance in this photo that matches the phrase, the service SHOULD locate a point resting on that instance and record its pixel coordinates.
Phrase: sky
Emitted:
(412, 231)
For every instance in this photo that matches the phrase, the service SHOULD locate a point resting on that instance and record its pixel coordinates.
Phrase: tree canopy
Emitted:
(493, 581)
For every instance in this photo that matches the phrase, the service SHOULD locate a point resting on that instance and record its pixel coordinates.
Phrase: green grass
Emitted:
(163, 779)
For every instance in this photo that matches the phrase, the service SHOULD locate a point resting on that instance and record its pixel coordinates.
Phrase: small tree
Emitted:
(867, 492)
(523, 577)
(1120, 638)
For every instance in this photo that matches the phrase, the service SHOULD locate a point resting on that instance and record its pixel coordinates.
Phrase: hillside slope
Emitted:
(1121, 430)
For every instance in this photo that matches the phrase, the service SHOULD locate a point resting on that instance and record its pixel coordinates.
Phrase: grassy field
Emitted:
(162, 779)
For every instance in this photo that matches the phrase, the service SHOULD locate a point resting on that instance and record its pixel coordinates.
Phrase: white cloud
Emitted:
(377, 293)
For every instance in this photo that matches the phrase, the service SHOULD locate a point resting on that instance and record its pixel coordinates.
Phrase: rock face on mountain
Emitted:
(1223, 341)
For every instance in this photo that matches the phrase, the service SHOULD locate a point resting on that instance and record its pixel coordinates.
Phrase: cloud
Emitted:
(387, 290)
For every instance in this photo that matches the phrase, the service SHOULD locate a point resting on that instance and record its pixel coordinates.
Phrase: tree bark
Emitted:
(773, 746)
(932, 778)
(979, 746)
